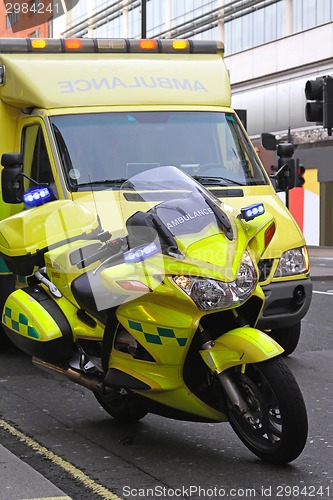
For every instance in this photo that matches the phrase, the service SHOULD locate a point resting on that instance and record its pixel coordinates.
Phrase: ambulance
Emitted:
(83, 115)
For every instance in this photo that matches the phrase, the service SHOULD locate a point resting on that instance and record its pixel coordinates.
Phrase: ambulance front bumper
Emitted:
(286, 303)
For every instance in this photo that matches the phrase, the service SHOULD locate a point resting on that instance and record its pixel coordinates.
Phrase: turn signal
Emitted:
(306, 258)
(269, 233)
(133, 286)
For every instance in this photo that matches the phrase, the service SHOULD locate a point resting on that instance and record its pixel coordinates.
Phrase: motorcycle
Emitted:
(160, 316)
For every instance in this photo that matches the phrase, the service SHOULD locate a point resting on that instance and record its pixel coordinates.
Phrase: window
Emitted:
(36, 162)
(262, 25)
(11, 19)
(310, 13)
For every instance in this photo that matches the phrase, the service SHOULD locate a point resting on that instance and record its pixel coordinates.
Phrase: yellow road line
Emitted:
(60, 462)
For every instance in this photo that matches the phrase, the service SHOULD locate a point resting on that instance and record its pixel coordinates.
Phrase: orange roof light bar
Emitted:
(73, 43)
(111, 45)
(148, 44)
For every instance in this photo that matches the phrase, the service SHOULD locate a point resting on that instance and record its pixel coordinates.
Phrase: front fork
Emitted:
(237, 347)
(228, 385)
(232, 392)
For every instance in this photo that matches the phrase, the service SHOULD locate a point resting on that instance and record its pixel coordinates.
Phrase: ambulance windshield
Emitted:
(104, 149)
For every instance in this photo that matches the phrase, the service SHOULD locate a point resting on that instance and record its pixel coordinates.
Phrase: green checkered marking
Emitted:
(21, 325)
(157, 338)
(152, 339)
(165, 332)
(135, 325)
(23, 319)
(3, 266)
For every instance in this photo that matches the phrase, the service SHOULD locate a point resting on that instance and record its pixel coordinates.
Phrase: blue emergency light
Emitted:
(140, 253)
(252, 211)
(37, 196)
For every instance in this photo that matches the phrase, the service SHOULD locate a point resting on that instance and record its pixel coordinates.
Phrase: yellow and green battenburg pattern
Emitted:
(21, 324)
(159, 335)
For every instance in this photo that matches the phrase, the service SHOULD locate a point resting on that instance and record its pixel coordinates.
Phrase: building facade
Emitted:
(26, 19)
(272, 47)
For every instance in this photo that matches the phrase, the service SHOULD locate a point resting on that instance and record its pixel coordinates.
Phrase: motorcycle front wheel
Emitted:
(122, 405)
(276, 426)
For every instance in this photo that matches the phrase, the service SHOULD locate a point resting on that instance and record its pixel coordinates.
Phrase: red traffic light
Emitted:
(299, 180)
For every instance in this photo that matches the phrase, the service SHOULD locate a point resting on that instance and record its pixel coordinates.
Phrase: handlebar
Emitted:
(107, 251)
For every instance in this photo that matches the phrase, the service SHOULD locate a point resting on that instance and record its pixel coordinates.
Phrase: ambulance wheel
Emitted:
(122, 405)
(288, 337)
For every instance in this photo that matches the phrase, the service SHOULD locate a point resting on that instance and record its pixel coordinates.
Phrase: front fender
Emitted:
(240, 346)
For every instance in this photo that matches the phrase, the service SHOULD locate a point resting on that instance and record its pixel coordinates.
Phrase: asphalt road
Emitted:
(58, 428)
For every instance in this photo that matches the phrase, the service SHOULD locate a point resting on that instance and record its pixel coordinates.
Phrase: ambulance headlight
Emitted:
(295, 261)
(209, 294)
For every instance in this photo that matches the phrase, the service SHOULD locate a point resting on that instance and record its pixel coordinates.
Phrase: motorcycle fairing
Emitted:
(166, 384)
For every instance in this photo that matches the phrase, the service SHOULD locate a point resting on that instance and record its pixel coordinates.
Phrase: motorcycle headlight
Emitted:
(295, 261)
(209, 294)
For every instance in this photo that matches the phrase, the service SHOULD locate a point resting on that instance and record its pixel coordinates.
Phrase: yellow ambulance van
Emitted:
(83, 115)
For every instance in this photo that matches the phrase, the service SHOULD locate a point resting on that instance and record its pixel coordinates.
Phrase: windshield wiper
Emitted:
(220, 181)
(100, 183)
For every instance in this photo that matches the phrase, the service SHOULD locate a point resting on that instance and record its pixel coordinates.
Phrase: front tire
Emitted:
(122, 405)
(275, 427)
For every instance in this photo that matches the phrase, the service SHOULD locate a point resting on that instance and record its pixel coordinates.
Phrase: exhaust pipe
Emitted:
(91, 383)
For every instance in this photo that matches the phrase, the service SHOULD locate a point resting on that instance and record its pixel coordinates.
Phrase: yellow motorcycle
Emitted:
(159, 316)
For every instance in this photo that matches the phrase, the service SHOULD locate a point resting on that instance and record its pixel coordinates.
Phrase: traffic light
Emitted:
(300, 171)
(285, 176)
(320, 108)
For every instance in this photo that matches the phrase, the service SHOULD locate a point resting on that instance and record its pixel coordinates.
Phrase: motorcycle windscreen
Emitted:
(179, 215)
(165, 214)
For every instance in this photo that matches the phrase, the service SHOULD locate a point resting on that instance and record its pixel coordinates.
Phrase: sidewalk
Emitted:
(321, 262)
(19, 481)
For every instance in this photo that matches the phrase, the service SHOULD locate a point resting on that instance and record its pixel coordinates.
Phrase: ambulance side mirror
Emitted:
(11, 178)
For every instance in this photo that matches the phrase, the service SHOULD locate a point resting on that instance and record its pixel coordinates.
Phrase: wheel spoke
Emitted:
(274, 430)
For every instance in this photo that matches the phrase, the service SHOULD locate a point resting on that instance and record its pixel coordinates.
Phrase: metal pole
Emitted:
(143, 19)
